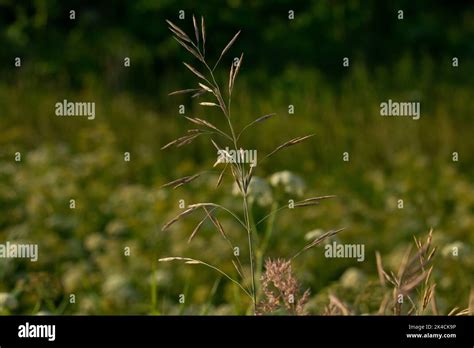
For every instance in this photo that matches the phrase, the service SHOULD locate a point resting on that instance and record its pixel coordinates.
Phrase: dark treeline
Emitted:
(92, 47)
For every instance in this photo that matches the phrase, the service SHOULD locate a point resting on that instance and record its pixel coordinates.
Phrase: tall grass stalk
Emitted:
(208, 86)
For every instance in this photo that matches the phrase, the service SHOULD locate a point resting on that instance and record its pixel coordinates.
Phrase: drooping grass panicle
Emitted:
(242, 174)
(318, 241)
(184, 140)
(188, 211)
(289, 143)
(184, 91)
(258, 120)
(226, 48)
(196, 31)
(203, 33)
(181, 181)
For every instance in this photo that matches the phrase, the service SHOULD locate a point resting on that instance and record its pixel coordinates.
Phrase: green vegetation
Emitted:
(121, 204)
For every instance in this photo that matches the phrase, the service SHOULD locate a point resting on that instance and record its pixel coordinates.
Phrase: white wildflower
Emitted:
(289, 182)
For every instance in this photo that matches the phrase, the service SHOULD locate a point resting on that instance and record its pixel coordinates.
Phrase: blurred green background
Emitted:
(297, 62)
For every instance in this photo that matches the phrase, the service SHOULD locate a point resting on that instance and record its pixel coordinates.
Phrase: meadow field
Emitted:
(105, 250)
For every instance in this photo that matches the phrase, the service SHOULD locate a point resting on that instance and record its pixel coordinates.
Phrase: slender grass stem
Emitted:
(240, 173)
(250, 243)
(226, 111)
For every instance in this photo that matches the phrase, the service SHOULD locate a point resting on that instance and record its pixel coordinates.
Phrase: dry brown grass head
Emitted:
(413, 276)
(281, 290)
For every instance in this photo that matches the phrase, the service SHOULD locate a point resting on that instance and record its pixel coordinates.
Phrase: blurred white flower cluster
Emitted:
(289, 182)
(260, 190)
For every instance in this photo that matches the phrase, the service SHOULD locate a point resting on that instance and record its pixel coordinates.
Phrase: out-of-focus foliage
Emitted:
(92, 46)
(120, 204)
